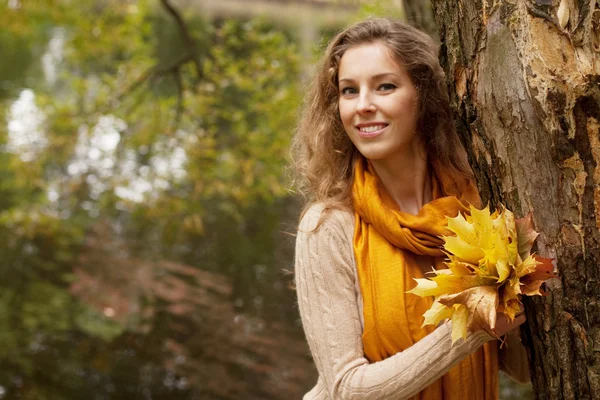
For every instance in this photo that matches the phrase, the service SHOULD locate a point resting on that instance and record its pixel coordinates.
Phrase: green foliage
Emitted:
(379, 8)
(97, 325)
(249, 102)
(45, 308)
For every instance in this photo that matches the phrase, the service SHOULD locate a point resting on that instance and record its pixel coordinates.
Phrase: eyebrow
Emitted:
(373, 78)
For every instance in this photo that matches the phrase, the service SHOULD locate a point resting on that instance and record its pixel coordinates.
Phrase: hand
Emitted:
(505, 325)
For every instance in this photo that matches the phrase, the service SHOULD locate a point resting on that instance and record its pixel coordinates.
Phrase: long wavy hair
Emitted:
(322, 153)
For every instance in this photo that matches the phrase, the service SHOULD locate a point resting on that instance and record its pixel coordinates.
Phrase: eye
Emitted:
(387, 87)
(348, 91)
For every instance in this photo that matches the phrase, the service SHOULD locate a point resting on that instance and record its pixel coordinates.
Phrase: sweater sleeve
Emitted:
(329, 309)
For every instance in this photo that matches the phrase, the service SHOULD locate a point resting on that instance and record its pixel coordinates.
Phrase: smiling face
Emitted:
(378, 102)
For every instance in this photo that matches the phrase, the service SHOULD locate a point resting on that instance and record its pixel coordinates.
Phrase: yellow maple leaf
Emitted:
(458, 267)
(528, 266)
(457, 313)
(460, 319)
(463, 250)
(437, 313)
(445, 282)
(425, 287)
(464, 230)
(509, 297)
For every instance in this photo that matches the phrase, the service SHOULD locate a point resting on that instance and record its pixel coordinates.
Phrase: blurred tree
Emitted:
(420, 13)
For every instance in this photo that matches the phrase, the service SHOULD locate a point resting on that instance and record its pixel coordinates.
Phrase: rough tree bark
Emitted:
(524, 79)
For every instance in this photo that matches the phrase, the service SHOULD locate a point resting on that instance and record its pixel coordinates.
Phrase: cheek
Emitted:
(345, 112)
(407, 104)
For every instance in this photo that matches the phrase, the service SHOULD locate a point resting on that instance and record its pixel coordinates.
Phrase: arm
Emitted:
(330, 315)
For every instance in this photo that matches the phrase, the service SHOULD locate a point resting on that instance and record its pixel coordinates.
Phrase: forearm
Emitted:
(409, 372)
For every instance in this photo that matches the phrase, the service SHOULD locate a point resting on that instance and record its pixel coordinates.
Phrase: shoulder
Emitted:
(319, 215)
(324, 243)
(326, 234)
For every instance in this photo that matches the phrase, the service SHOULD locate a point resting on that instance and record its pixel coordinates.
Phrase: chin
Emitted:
(372, 154)
(373, 157)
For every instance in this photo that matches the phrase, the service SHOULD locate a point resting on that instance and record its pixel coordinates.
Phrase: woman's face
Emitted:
(377, 101)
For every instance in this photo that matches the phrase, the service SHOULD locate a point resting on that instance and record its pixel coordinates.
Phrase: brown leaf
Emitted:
(531, 283)
(544, 270)
(531, 287)
(481, 301)
(526, 235)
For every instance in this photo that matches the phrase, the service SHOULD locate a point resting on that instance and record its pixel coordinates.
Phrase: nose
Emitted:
(365, 103)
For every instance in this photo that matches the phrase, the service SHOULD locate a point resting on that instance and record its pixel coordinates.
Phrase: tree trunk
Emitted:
(524, 79)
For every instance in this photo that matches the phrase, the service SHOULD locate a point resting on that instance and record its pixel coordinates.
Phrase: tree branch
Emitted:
(153, 72)
(173, 69)
(180, 93)
(187, 37)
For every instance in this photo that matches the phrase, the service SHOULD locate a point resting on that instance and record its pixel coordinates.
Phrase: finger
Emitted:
(519, 319)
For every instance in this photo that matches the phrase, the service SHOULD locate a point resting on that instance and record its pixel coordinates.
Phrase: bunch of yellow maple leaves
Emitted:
(490, 266)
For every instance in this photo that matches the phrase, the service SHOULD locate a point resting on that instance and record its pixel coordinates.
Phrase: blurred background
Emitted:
(146, 221)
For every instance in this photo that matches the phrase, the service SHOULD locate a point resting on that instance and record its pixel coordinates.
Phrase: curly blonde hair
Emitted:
(322, 153)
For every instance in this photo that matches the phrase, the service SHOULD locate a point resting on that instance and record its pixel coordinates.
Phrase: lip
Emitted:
(370, 134)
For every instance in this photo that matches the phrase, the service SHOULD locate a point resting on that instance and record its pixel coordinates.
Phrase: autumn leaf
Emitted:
(526, 235)
(509, 297)
(437, 313)
(458, 267)
(528, 266)
(463, 250)
(458, 314)
(543, 271)
(463, 230)
(563, 14)
(480, 302)
(445, 282)
(460, 318)
(425, 287)
(532, 282)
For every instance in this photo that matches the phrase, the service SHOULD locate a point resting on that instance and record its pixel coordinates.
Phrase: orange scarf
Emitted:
(385, 242)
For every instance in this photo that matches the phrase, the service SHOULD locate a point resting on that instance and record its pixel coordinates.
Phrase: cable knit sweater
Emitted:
(330, 305)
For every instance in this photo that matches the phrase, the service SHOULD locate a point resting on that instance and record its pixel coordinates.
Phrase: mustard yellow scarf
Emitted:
(385, 243)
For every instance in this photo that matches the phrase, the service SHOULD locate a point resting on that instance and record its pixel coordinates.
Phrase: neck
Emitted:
(406, 178)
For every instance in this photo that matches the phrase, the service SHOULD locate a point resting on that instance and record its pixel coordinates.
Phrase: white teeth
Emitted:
(373, 128)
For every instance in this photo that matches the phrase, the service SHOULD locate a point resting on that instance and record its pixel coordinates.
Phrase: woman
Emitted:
(377, 153)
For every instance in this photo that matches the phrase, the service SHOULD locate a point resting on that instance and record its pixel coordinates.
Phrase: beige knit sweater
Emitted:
(330, 305)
